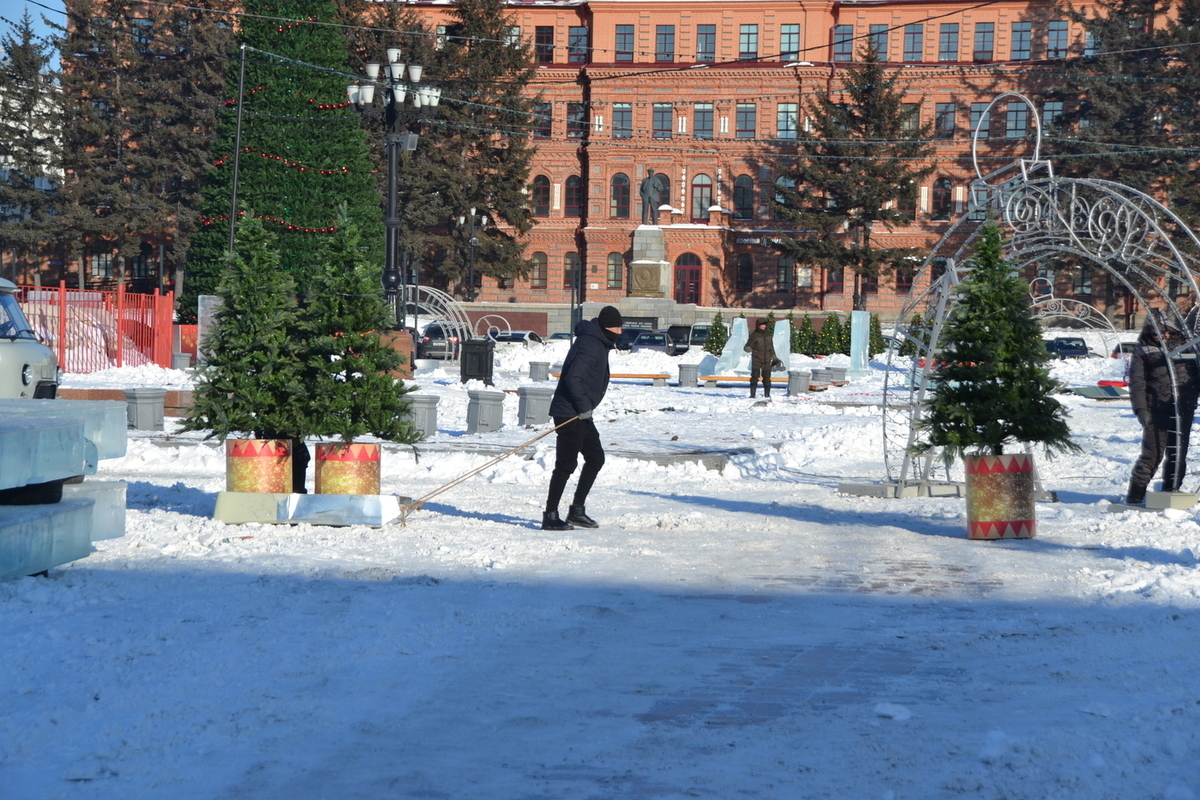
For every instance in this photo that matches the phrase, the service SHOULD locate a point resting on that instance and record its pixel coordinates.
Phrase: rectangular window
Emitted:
(543, 44)
(439, 37)
(789, 42)
(747, 121)
(943, 122)
(1082, 281)
(706, 42)
(662, 120)
(1021, 43)
(904, 280)
(1091, 45)
(624, 43)
(804, 277)
(543, 120)
(1016, 121)
(785, 274)
(981, 120)
(835, 280)
(616, 270)
(143, 34)
(577, 45)
(1052, 111)
(512, 35)
(879, 41)
(948, 42)
(622, 120)
(745, 273)
(787, 117)
(139, 265)
(537, 275)
(910, 117)
(870, 284)
(985, 37)
(748, 43)
(664, 43)
(702, 121)
(1056, 39)
(843, 43)
(101, 265)
(576, 120)
(914, 42)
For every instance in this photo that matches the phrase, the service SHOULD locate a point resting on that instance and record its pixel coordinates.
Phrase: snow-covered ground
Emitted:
(736, 632)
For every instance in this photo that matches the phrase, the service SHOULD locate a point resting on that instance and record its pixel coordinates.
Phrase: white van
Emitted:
(28, 369)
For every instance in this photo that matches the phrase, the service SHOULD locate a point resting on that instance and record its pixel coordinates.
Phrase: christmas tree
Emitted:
(876, 344)
(351, 391)
(804, 338)
(717, 336)
(829, 338)
(993, 388)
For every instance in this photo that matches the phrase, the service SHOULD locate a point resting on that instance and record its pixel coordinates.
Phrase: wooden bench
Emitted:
(659, 378)
(713, 380)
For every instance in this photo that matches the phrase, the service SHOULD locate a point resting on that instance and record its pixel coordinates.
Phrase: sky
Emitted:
(13, 10)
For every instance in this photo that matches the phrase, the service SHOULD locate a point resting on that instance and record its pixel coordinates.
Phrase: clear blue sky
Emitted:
(14, 9)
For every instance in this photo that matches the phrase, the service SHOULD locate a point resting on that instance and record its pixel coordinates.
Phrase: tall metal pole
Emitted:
(237, 149)
(391, 224)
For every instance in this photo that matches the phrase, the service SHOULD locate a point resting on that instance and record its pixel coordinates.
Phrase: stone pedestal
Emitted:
(534, 407)
(539, 370)
(145, 408)
(689, 375)
(797, 381)
(485, 411)
(422, 409)
(649, 272)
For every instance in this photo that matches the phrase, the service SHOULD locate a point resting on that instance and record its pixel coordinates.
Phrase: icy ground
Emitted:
(735, 632)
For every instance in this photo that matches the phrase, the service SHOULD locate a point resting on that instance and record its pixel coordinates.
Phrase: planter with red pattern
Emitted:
(258, 465)
(347, 468)
(1000, 497)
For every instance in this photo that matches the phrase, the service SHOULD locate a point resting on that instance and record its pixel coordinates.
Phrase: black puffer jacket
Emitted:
(761, 347)
(584, 377)
(1150, 382)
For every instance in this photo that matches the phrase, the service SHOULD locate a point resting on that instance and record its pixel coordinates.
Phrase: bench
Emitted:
(713, 380)
(659, 378)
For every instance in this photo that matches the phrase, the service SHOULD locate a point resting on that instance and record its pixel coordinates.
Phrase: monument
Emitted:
(650, 272)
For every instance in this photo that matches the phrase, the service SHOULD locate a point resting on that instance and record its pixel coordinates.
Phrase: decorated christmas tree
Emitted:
(993, 388)
(804, 337)
(876, 344)
(351, 389)
(717, 336)
(829, 338)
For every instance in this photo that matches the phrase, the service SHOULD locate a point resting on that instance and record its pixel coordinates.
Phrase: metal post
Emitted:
(391, 224)
(237, 149)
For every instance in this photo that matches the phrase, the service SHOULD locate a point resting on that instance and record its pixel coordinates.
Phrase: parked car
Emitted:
(28, 368)
(625, 340)
(1067, 347)
(1123, 349)
(440, 340)
(688, 336)
(653, 340)
(515, 337)
(561, 335)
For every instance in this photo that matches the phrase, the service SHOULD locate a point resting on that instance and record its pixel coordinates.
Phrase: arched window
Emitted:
(570, 269)
(702, 197)
(541, 196)
(618, 198)
(743, 197)
(941, 199)
(574, 204)
(744, 279)
(616, 270)
(537, 275)
(687, 278)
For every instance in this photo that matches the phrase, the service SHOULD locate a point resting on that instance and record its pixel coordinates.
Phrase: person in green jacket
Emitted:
(762, 354)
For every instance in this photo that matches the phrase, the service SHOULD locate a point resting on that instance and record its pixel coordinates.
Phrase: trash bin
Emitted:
(476, 363)
(539, 370)
(422, 410)
(145, 408)
(689, 375)
(797, 381)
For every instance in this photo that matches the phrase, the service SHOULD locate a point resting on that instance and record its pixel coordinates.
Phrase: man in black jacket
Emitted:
(761, 348)
(581, 386)
(1164, 407)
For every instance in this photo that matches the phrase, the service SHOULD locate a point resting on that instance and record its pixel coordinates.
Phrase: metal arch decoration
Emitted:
(1153, 254)
(437, 306)
(1045, 306)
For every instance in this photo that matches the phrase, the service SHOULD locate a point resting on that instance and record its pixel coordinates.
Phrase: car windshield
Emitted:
(12, 321)
(1071, 343)
(652, 338)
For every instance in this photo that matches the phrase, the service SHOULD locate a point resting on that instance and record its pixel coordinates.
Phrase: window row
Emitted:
(538, 275)
(579, 48)
(1025, 41)
(702, 198)
(665, 125)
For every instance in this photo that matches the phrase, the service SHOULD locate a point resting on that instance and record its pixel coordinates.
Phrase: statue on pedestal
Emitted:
(653, 191)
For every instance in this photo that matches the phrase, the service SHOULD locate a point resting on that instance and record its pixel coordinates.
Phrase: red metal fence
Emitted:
(94, 330)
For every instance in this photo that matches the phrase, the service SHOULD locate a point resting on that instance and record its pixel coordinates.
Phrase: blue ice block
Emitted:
(105, 422)
(108, 515)
(37, 538)
(37, 450)
(733, 355)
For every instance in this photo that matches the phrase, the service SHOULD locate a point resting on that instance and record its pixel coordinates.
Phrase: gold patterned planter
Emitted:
(258, 465)
(1000, 497)
(347, 468)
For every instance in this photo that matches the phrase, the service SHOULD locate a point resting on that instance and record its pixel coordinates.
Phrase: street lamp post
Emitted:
(472, 223)
(397, 81)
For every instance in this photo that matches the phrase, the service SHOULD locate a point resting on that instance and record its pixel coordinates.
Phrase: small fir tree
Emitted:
(844, 340)
(876, 336)
(804, 339)
(993, 388)
(916, 329)
(252, 380)
(717, 336)
(770, 318)
(351, 392)
(829, 338)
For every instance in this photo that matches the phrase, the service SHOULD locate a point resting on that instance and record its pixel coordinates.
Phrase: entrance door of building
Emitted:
(687, 279)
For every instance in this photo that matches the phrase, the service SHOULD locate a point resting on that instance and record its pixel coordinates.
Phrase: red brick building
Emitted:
(710, 93)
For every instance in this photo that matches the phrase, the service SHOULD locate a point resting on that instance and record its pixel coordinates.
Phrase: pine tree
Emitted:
(993, 388)
(303, 149)
(717, 335)
(29, 149)
(861, 159)
(351, 391)
(829, 338)
(804, 339)
(916, 329)
(252, 381)
(844, 341)
(475, 151)
(877, 344)
(770, 318)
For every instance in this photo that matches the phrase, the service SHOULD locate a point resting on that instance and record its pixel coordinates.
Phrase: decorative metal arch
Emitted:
(1045, 306)
(1127, 233)
(437, 306)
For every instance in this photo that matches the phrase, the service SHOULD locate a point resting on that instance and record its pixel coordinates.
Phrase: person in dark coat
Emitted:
(1164, 411)
(581, 386)
(761, 348)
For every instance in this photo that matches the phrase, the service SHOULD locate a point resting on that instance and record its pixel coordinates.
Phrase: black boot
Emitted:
(1136, 494)
(577, 516)
(551, 522)
(753, 388)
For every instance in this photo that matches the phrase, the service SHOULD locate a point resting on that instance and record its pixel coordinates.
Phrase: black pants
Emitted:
(756, 371)
(1159, 445)
(574, 438)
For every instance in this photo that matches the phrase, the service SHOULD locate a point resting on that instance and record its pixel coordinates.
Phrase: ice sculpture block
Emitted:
(37, 450)
(733, 354)
(105, 422)
(36, 538)
(782, 340)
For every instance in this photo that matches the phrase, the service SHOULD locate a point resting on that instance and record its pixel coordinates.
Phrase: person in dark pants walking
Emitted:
(581, 386)
(1165, 411)
(761, 348)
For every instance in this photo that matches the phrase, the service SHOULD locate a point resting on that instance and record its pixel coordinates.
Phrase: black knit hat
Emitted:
(610, 318)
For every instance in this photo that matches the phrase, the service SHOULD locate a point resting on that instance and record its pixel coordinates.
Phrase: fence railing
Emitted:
(94, 330)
